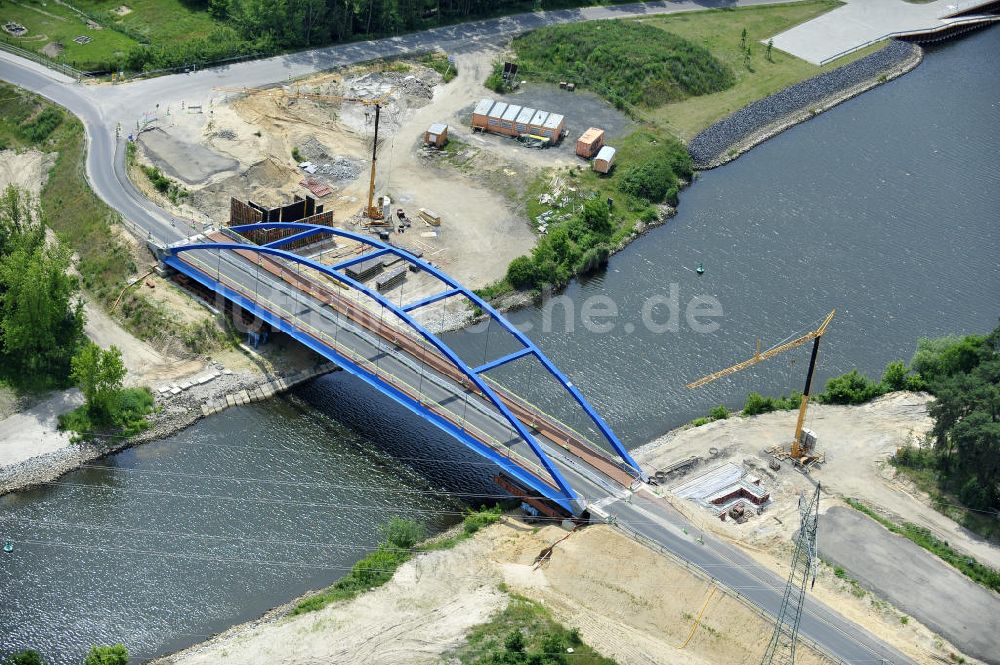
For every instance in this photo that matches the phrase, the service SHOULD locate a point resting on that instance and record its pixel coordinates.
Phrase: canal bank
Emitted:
(755, 123)
(178, 406)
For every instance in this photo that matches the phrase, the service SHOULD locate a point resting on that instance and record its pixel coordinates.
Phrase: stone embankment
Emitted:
(178, 407)
(759, 121)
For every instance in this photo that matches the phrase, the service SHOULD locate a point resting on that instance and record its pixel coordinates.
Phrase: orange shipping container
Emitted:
(590, 142)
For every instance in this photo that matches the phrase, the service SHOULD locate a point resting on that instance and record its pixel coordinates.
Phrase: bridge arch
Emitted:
(565, 495)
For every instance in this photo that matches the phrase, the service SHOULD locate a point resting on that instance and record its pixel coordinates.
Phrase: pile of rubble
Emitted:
(333, 167)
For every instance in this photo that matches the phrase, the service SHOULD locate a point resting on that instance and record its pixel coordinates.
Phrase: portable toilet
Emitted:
(436, 135)
(590, 142)
(494, 116)
(480, 113)
(523, 120)
(553, 126)
(507, 120)
(605, 159)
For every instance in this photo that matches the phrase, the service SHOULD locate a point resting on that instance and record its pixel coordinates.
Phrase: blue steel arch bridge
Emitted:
(309, 281)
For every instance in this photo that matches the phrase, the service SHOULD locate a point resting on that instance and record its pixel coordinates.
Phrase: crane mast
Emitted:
(372, 211)
(795, 449)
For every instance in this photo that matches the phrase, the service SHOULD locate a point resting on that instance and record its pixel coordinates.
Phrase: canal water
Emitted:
(885, 208)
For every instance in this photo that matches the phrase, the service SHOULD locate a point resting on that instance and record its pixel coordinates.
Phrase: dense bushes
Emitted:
(582, 244)
(163, 184)
(111, 655)
(224, 43)
(42, 126)
(41, 316)
(108, 407)
(627, 62)
(525, 633)
(757, 404)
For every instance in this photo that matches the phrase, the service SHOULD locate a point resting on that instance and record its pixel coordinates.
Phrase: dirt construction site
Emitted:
(716, 459)
(241, 144)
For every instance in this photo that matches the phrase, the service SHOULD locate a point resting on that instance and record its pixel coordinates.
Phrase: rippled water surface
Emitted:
(885, 208)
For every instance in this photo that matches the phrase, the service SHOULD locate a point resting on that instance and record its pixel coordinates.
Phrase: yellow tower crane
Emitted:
(796, 447)
(372, 211)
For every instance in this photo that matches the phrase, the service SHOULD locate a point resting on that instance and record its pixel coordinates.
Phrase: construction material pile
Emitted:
(334, 167)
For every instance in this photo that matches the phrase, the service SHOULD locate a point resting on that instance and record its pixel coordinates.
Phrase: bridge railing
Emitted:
(380, 248)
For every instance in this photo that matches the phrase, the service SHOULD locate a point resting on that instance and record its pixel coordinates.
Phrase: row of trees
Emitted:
(268, 26)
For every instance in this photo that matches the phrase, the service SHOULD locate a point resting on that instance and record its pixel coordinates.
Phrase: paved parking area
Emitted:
(913, 580)
(860, 22)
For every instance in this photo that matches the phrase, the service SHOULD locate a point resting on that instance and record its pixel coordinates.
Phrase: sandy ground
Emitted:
(28, 170)
(856, 441)
(433, 601)
(33, 431)
(244, 146)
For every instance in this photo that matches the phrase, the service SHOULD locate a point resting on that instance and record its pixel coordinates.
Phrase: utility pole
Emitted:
(781, 649)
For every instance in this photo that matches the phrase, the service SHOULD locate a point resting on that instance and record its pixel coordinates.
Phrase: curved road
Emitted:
(103, 107)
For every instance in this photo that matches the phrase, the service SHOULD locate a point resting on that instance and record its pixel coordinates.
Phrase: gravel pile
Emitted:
(376, 84)
(334, 167)
(226, 134)
(714, 142)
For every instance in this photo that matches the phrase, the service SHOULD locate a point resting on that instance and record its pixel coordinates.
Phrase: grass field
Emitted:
(51, 23)
(156, 21)
(720, 32)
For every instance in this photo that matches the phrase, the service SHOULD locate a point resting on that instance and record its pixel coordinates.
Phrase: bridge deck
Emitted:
(326, 311)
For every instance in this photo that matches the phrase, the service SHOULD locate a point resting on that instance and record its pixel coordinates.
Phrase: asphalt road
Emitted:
(875, 557)
(103, 108)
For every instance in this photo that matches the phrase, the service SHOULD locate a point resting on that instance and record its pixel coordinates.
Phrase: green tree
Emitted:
(41, 318)
(851, 388)
(597, 217)
(514, 642)
(767, 53)
(99, 374)
(521, 273)
(894, 376)
(26, 657)
(107, 655)
(402, 533)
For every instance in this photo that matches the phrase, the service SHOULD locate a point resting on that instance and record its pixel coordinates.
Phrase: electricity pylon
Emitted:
(781, 649)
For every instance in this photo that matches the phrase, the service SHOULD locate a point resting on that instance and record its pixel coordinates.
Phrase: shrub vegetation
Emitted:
(583, 231)
(629, 63)
(400, 541)
(108, 408)
(41, 315)
(525, 633)
(110, 655)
